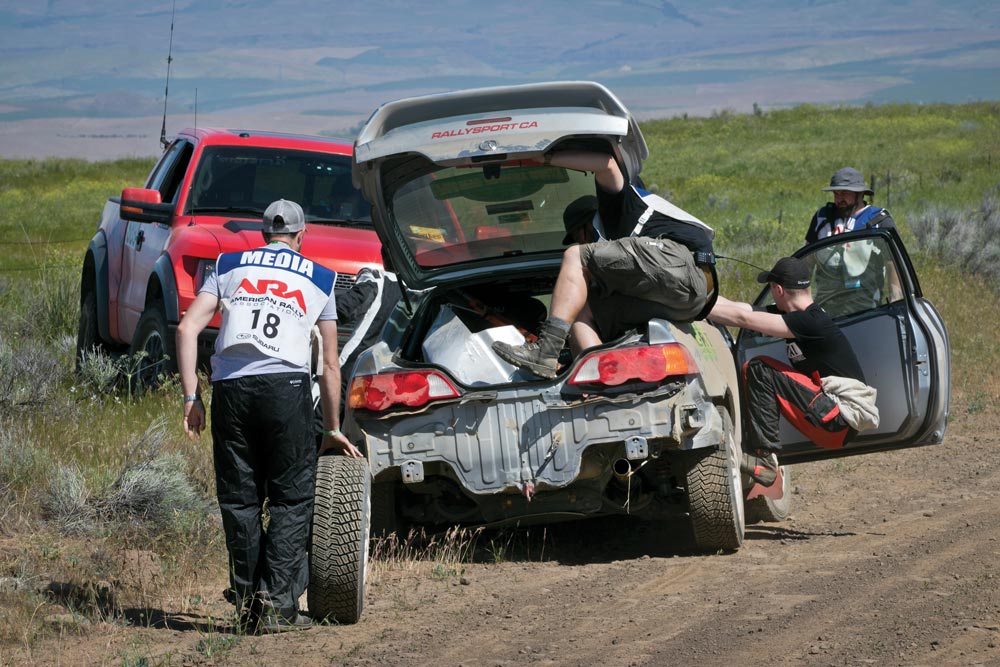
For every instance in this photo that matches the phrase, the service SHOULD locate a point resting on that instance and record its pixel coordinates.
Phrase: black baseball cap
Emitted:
(580, 212)
(787, 272)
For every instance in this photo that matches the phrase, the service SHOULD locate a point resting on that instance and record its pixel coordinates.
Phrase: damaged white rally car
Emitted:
(647, 425)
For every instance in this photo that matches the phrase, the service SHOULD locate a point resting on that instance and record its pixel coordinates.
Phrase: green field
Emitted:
(73, 449)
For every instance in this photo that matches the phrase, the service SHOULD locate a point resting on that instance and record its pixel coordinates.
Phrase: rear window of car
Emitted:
(460, 214)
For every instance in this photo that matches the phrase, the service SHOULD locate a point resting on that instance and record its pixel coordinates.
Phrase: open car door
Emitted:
(866, 283)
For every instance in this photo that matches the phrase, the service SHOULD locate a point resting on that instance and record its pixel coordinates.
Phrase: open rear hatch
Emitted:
(457, 181)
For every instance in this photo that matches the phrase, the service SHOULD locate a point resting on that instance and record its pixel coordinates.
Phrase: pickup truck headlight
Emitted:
(206, 267)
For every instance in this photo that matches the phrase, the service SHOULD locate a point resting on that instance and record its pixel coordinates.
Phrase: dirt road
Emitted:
(888, 559)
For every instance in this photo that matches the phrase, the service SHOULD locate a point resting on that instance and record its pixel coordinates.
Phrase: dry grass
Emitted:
(442, 555)
(421, 550)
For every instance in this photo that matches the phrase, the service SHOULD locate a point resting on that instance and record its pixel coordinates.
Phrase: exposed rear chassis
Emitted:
(515, 453)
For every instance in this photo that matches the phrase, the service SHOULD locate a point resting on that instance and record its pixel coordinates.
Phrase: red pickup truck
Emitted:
(155, 245)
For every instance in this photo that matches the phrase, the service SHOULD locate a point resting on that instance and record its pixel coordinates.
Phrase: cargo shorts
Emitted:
(637, 278)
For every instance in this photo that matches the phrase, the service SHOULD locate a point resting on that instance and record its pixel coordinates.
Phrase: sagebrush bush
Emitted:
(149, 496)
(19, 459)
(98, 372)
(152, 487)
(967, 238)
(117, 375)
(67, 501)
(31, 376)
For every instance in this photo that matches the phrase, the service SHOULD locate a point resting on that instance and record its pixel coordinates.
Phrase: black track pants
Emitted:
(775, 389)
(264, 447)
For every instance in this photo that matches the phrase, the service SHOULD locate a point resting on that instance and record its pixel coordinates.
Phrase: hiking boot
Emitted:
(541, 357)
(272, 623)
(761, 465)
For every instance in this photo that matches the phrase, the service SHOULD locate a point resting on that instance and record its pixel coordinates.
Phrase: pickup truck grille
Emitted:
(345, 281)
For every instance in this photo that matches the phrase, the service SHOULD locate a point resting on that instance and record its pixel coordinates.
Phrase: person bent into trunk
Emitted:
(822, 392)
(653, 260)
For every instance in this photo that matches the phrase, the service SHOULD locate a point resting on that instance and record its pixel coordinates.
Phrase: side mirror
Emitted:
(141, 205)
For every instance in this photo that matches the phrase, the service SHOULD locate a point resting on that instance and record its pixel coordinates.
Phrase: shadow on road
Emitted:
(595, 540)
(163, 620)
(774, 531)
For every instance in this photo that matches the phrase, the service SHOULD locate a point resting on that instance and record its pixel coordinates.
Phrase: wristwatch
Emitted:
(188, 398)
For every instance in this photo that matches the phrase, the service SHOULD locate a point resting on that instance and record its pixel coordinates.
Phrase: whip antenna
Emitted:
(733, 259)
(166, 86)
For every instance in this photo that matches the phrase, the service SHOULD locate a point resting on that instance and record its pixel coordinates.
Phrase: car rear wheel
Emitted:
(715, 494)
(152, 349)
(768, 510)
(339, 555)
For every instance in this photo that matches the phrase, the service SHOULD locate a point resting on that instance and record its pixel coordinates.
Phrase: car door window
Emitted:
(854, 276)
(170, 172)
(865, 282)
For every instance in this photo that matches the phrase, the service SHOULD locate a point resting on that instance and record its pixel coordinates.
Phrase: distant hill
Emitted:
(87, 78)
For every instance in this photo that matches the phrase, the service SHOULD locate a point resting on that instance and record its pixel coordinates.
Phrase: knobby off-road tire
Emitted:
(767, 510)
(715, 494)
(339, 556)
(153, 337)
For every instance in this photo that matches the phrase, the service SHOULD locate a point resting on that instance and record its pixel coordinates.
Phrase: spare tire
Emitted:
(339, 554)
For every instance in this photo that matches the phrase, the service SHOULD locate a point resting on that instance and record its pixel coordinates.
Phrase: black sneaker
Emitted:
(272, 623)
(231, 596)
(248, 622)
(761, 465)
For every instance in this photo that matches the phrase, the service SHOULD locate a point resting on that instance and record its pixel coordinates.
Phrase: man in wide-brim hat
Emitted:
(857, 275)
(848, 211)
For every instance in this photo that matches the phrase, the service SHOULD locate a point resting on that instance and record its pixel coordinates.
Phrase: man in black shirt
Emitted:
(654, 260)
(816, 348)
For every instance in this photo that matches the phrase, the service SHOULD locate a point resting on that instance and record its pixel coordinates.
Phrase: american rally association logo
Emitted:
(276, 288)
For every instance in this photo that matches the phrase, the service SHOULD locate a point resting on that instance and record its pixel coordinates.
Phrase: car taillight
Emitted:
(650, 363)
(409, 388)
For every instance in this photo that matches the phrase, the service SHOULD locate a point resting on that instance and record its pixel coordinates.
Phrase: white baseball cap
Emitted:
(284, 217)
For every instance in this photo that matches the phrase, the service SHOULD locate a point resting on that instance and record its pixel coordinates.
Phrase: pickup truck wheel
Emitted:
(153, 338)
(88, 337)
(715, 494)
(768, 510)
(339, 556)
